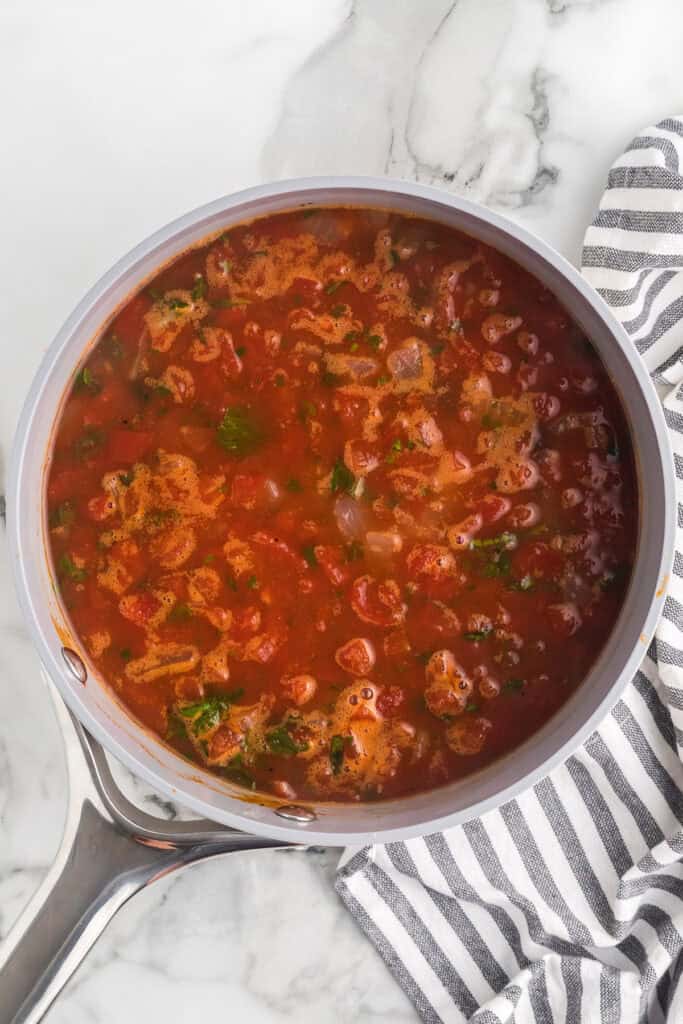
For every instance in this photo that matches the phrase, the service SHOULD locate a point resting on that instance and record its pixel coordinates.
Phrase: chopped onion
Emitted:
(383, 542)
(350, 517)
(405, 363)
(272, 491)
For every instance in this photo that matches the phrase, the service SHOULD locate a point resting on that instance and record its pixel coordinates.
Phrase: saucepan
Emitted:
(101, 718)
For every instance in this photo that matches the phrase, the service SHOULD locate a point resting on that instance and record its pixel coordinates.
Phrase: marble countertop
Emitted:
(117, 118)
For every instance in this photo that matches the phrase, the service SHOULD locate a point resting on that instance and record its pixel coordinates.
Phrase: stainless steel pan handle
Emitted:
(110, 850)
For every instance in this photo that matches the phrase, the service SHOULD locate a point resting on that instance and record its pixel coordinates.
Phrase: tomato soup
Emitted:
(342, 505)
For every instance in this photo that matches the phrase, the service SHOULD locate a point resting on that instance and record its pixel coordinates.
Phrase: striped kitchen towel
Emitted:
(566, 905)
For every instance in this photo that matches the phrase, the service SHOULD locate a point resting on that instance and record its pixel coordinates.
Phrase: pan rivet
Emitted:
(75, 665)
(292, 812)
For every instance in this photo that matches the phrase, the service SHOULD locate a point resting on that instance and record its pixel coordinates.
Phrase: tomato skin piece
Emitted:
(129, 446)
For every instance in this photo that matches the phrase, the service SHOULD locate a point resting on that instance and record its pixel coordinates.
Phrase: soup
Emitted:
(342, 505)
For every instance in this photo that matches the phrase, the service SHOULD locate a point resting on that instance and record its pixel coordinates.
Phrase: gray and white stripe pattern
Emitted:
(566, 905)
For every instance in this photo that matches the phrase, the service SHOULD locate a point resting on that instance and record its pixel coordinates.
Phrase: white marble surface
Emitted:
(117, 118)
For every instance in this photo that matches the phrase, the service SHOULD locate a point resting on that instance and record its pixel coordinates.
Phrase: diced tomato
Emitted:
(390, 701)
(332, 562)
(279, 548)
(249, 490)
(139, 608)
(247, 621)
(101, 507)
(128, 446)
(492, 507)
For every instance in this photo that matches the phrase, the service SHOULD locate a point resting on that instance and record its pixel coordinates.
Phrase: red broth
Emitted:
(343, 505)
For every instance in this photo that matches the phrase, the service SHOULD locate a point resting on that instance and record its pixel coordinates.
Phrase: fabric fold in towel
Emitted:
(566, 905)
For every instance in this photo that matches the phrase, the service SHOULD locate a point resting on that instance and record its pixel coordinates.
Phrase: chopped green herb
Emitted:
(63, 515)
(253, 583)
(613, 447)
(127, 478)
(260, 252)
(208, 559)
(491, 419)
(180, 612)
(125, 653)
(206, 714)
(352, 336)
(514, 684)
(394, 258)
(338, 310)
(374, 340)
(112, 347)
(354, 347)
(88, 443)
(175, 728)
(198, 288)
(241, 350)
(157, 517)
(337, 753)
(230, 303)
(237, 773)
(524, 584)
(381, 381)
(423, 657)
(86, 381)
(68, 568)
(176, 303)
(309, 213)
(472, 706)
(330, 380)
(332, 286)
(354, 551)
(502, 540)
(498, 565)
(397, 446)
(293, 486)
(226, 267)
(307, 410)
(282, 743)
(238, 432)
(280, 381)
(342, 479)
(475, 635)
(232, 583)
(308, 552)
